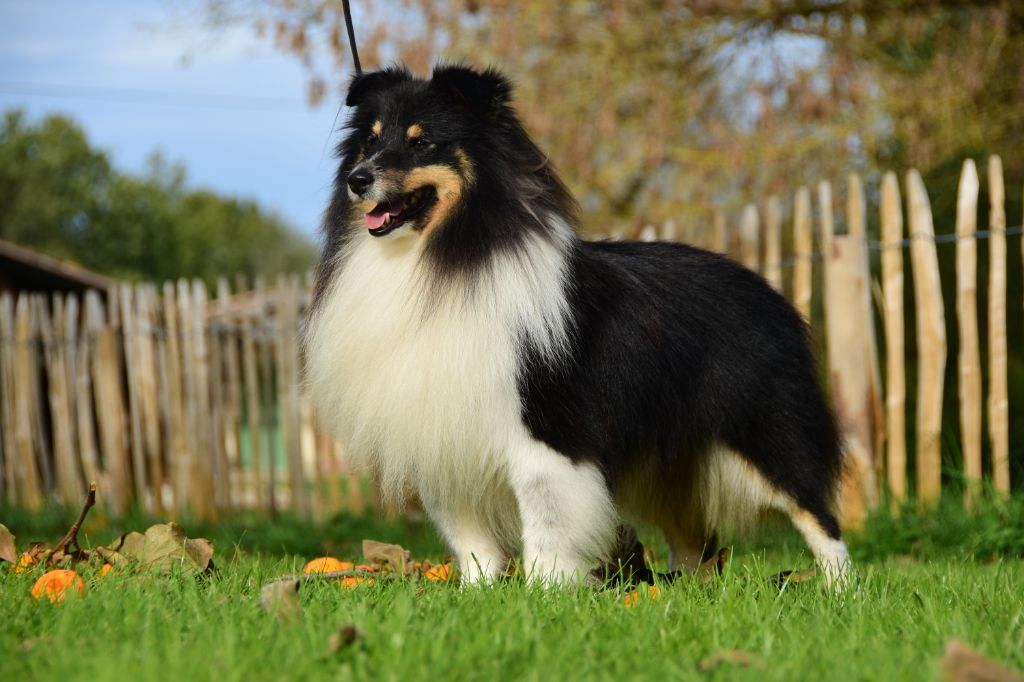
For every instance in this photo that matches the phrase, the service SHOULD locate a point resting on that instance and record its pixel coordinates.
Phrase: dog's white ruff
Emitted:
(418, 379)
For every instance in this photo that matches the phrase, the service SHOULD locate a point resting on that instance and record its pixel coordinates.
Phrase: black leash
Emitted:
(351, 36)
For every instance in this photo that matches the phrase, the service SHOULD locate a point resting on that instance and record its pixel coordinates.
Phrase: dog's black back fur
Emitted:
(727, 361)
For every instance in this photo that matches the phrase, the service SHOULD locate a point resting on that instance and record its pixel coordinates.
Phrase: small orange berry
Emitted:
(107, 568)
(355, 580)
(326, 564)
(54, 584)
(441, 573)
(633, 597)
(24, 563)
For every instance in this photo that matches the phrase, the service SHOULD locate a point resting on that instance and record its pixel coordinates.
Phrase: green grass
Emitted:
(912, 591)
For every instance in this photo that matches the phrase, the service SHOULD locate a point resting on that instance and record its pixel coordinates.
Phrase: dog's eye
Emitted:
(420, 144)
(372, 140)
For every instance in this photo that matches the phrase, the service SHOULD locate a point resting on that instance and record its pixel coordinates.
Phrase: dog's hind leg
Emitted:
(821, 533)
(690, 543)
(687, 551)
(568, 519)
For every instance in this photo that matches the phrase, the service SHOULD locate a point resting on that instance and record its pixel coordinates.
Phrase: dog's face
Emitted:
(408, 160)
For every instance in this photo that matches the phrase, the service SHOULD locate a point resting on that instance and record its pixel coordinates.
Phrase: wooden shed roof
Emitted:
(25, 269)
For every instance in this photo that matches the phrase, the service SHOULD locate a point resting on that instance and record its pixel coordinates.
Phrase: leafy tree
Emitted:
(61, 196)
(52, 183)
(651, 108)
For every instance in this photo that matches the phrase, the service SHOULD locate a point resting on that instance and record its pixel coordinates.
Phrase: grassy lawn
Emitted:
(913, 590)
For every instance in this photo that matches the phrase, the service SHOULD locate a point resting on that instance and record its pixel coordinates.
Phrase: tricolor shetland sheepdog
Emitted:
(536, 390)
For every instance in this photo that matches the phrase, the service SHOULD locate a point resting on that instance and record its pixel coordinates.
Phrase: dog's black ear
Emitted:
(367, 83)
(482, 91)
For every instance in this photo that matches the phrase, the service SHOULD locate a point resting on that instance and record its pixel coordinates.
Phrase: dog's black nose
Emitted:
(360, 180)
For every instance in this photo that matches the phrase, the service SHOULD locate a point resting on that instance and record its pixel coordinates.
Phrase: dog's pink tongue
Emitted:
(375, 218)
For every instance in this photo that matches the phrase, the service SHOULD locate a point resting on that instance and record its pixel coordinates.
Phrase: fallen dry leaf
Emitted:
(281, 598)
(163, 547)
(8, 551)
(961, 663)
(732, 657)
(395, 556)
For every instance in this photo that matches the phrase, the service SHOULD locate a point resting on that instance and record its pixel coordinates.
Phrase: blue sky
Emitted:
(232, 110)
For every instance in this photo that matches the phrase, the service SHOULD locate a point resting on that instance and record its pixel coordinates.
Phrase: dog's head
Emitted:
(410, 159)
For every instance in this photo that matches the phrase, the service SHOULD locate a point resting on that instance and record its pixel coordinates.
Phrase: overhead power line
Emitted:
(151, 97)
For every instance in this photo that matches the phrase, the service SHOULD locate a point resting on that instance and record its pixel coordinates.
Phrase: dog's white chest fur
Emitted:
(418, 378)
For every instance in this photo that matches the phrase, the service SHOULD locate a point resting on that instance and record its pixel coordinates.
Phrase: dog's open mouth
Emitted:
(386, 217)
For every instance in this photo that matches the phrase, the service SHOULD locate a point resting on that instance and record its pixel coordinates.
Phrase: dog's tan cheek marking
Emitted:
(377, 128)
(466, 166)
(447, 183)
(414, 131)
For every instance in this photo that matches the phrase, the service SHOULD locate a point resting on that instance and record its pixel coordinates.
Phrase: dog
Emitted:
(536, 390)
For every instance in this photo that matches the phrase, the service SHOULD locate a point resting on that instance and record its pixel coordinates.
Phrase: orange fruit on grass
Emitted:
(326, 564)
(355, 580)
(24, 563)
(441, 573)
(107, 568)
(634, 596)
(55, 584)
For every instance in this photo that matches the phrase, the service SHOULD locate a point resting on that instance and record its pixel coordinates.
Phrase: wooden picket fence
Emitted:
(168, 400)
(172, 401)
(872, 412)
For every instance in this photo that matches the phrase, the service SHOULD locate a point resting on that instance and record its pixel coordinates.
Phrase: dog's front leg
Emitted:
(477, 549)
(568, 519)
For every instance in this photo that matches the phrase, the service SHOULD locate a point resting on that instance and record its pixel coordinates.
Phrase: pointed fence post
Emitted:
(895, 378)
(749, 238)
(720, 237)
(969, 358)
(803, 248)
(8, 421)
(856, 220)
(106, 379)
(773, 243)
(826, 228)
(30, 489)
(850, 378)
(145, 302)
(252, 405)
(998, 404)
(68, 485)
(931, 343)
(204, 456)
(669, 232)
